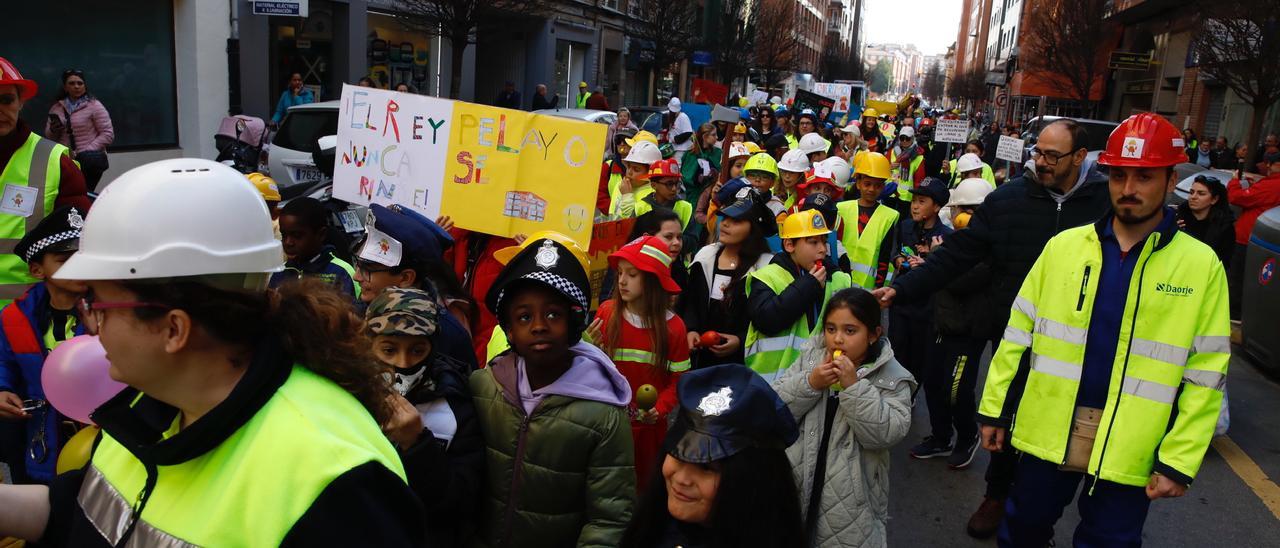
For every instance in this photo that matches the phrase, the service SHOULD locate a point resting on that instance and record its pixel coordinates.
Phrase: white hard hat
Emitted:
(644, 152)
(775, 100)
(738, 150)
(840, 171)
(812, 142)
(674, 104)
(851, 128)
(907, 131)
(970, 192)
(795, 161)
(968, 162)
(174, 218)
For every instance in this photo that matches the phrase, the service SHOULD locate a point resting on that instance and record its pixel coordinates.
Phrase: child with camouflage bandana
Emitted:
(434, 425)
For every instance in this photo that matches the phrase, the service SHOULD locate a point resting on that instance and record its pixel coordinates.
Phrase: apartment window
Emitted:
(611, 4)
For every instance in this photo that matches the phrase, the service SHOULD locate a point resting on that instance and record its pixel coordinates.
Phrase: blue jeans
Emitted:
(1111, 514)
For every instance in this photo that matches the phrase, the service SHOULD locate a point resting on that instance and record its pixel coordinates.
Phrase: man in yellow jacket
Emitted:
(1120, 338)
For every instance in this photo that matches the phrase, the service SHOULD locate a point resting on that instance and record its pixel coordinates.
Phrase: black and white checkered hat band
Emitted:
(48, 241)
(556, 281)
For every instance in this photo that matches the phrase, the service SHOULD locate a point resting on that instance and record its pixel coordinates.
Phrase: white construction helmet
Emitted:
(645, 153)
(840, 171)
(738, 150)
(968, 162)
(177, 218)
(795, 161)
(812, 142)
(970, 192)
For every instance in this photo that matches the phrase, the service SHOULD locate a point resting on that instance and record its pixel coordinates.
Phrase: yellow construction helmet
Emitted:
(871, 112)
(804, 224)
(761, 162)
(872, 164)
(643, 136)
(752, 147)
(266, 186)
(505, 254)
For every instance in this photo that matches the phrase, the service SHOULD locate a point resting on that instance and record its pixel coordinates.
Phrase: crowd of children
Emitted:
(739, 310)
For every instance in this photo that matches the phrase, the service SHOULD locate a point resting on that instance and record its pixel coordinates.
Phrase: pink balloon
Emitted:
(76, 378)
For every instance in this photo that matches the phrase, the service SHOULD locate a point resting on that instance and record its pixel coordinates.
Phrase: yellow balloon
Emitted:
(742, 101)
(75, 454)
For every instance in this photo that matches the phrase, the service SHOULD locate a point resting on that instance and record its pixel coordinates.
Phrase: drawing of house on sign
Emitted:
(525, 205)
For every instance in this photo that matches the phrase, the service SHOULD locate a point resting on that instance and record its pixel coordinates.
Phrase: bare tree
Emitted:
(969, 87)
(1068, 41)
(933, 84)
(671, 26)
(1238, 44)
(459, 21)
(733, 39)
(777, 47)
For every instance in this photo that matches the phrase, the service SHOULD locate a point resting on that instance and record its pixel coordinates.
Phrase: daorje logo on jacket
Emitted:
(1175, 290)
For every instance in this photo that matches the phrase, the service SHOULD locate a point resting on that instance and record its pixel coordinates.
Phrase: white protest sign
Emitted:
(839, 92)
(759, 97)
(1010, 148)
(951, 131)
(391, 149)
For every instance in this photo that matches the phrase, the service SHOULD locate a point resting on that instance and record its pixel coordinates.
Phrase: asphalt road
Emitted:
(929, 504)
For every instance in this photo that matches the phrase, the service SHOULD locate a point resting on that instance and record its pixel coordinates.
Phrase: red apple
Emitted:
(710, 339)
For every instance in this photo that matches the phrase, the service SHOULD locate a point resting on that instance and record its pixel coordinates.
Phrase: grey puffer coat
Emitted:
(872, 416)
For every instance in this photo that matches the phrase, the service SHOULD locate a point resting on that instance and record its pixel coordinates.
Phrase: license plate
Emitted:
(305, 175)
(351, 221)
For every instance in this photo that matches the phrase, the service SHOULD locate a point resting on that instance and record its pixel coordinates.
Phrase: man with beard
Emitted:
(1127, 377)
(1007, 233)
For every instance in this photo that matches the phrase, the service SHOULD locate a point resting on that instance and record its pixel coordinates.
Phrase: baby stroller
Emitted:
(239, 142)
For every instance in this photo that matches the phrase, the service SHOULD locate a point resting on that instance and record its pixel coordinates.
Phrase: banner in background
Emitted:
(822, 106)
(606, 238)
(841, 93)
(1010, 148)
(951, 131)
(493, 170)
(709, 92)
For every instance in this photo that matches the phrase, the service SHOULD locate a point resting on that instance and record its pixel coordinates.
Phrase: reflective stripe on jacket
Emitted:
(863, 247)
(1171, 359)
(36, 164)
(768, 354)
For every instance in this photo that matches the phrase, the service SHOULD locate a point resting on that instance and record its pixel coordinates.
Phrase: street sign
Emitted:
(1127, 60)
(951, 131)
(1002, 98)
(703, 58)
(295, 8)
(1010, 148)
(995, 78)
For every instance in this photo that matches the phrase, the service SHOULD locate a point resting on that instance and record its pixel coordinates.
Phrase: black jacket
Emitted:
(1008, 232)
(369, 505)
(701, 314)
(1218, 230)
(964, 308)
(446, 468)
(773, 313)
(541, 102)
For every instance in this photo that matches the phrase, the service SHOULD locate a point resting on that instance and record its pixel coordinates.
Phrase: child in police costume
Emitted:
(433, 424)
(786, 298)
(304, 226)
(33, 325)
(553, 411)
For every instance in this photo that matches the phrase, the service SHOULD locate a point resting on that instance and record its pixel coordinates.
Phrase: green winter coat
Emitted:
(562, 476)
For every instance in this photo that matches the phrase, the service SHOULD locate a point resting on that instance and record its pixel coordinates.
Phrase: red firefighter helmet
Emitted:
(1145, 139)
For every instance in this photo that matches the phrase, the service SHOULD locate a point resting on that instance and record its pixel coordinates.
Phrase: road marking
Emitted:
(1249, 471)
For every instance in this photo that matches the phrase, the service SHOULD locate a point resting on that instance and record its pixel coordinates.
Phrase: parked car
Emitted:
(1098, 130)
(605, 117)
(290, 160)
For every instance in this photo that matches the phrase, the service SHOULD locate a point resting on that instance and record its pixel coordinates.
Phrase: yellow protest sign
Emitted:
(512, 172)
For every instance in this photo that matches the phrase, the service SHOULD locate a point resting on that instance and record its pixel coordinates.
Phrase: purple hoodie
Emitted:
(592, 377)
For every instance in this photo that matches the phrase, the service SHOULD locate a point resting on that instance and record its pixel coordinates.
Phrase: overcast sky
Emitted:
(929, 24)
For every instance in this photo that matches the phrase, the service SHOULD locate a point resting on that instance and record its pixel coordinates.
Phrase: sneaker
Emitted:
(931, 447)
(986, 520)
(963, 454)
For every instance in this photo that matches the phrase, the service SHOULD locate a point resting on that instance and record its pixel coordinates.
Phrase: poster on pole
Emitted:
(951, 131)
(1010, 148)
(493, 170)
(606, 238)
